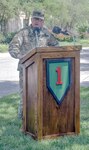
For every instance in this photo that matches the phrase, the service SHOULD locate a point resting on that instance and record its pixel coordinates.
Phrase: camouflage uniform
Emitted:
(24, 41)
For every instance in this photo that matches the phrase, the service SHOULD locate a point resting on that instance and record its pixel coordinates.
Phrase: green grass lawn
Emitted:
(11, 137)
(83, 42)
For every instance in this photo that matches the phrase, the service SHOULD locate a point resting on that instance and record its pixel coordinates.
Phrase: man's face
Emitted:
(37, 22)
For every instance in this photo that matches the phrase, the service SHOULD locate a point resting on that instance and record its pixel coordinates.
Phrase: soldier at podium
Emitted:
(35, 35)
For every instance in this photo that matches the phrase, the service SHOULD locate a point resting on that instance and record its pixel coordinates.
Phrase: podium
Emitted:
(51, 91)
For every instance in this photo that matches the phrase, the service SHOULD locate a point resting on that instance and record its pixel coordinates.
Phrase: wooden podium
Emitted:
(43, 115)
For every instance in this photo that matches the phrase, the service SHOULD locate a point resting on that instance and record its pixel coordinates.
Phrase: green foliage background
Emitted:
(69, 13)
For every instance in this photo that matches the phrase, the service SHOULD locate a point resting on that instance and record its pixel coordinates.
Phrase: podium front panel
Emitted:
(58, 119)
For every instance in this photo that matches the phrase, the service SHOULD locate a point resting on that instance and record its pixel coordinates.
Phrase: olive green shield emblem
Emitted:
(58, 77)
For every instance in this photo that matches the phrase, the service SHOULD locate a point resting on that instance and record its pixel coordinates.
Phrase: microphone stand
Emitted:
(36, 32)
(36, 39)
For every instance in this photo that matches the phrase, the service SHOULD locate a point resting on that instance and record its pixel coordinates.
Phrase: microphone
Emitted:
(36, 30)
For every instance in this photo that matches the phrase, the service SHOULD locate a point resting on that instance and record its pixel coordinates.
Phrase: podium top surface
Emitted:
(50, 50)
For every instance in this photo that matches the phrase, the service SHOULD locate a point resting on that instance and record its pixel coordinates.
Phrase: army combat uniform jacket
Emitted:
(25, 40)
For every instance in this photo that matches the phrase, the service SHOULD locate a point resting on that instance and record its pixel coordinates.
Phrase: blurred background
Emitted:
(71, 16)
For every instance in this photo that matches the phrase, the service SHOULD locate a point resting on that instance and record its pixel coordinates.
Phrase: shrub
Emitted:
(2, 37)
(8, 37)
(62, 37)
(82, 31)
(3, 48)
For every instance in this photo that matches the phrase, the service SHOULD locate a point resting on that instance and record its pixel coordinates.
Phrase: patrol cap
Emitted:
(38, 14)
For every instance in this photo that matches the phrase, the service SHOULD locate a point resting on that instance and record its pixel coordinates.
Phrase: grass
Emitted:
(11, 137)
(83, 42)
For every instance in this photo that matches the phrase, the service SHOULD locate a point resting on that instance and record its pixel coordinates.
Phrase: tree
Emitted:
(8, 9)
(65, 13)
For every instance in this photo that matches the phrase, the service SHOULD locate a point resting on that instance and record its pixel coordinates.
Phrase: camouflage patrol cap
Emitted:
(38, 14)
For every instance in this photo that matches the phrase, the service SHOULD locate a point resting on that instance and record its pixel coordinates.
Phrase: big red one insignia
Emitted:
(58, 77)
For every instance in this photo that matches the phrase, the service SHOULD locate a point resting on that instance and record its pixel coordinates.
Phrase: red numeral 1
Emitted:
(59, 81)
